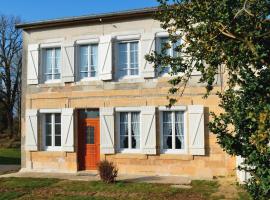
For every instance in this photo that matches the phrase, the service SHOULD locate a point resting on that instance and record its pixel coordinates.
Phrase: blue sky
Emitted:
(34, 10)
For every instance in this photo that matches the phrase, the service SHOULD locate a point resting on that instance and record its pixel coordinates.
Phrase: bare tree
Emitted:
(10, 68)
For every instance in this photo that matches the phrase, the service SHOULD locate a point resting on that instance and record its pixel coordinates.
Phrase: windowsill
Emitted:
(89, 79)
(130, 151)
(173, 151)
(58, 149)
(52, 81)
(129, 77)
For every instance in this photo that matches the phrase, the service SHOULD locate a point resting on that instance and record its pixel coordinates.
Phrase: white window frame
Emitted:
(128, 76)
(129, 110)
(173, 109)
(53, 46)
(87, 43)
(43, 132)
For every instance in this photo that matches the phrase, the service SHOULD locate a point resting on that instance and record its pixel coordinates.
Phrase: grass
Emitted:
(33, 188)
(10, 156)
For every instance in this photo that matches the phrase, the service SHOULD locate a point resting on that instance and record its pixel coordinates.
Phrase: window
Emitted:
(172, 137)
(163, 42)
(52, 61)
(129, 130)
(128, 59)
(88, 61)
(52, 131)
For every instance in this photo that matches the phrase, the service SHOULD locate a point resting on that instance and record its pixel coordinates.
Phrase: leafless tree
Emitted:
(10, 69)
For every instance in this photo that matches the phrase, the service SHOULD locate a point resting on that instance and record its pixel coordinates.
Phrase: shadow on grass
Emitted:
(9, 161)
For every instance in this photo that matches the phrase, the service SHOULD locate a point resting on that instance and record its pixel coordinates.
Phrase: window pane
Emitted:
(57, 66)
(176, 53)
(48, 118)
(48, 141)
(94, 60)
(90, 135)
(123, 130)
(84, 61)
(48, 64)
(167, 130)
(135, 130)
(58, 129)
(134, 58)
(57, 118)
(122, 59)
(179, 130)
(57, 141)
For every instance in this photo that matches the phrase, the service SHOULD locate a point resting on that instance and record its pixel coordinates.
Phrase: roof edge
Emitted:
(104, 17)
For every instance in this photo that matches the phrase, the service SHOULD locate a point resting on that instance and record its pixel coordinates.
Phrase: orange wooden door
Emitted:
(89, 142)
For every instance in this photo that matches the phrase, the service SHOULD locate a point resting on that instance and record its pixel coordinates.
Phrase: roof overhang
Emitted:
(90, 19)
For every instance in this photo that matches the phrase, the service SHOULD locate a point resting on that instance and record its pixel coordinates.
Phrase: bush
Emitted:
(107, 171)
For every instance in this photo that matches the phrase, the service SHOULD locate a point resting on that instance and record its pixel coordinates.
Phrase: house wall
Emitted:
(131, 92)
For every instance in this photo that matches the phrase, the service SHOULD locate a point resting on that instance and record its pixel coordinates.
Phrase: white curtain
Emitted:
(135, 130)
(123, 130)
(167, 130)
(179, 130)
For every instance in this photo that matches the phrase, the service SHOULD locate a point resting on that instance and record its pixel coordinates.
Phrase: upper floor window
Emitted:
(172, 130)
(52, 130)
(129, 130)
(52, 61)
(128, 58)
(167, 48)
(88, 61)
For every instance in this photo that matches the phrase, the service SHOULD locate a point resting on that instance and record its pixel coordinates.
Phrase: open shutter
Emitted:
(67, 130)
(68, 62)
(31, 130)
(107, 144)
(242, 175)
(32, 64)
(148, 45)
(105, 57)
(148, 120)
(196, 130)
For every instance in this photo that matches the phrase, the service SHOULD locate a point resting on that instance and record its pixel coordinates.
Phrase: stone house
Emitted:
(88, 94)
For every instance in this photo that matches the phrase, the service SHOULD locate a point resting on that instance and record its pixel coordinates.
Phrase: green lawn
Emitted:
(30, 188)
(10, 156)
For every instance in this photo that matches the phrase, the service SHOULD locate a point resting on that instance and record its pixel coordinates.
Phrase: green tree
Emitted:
(231, 36)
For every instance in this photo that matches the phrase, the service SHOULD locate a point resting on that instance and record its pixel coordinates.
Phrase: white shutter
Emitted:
(67, 130)
(196, 130)
(148, 45)
(148, 132)
(242, 175)
(31, 130)
(105, 57)
(68, 62)
(107, 144)
(32, 64)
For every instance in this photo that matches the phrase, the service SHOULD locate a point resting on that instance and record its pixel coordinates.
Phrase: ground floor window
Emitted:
(129, 130)
(52, 130)
(172, 130)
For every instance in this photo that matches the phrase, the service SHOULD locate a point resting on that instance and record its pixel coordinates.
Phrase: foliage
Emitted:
(230, 39)
(107, 171)
(10, 69)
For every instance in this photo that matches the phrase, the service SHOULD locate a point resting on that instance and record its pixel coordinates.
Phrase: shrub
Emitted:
(107, 171)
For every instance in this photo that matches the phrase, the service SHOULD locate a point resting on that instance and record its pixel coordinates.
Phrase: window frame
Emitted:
(128, 76)
(87, 43)
(173, 109)
(43, 59)
(43, 131)
(129, 111)
(159, 37)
